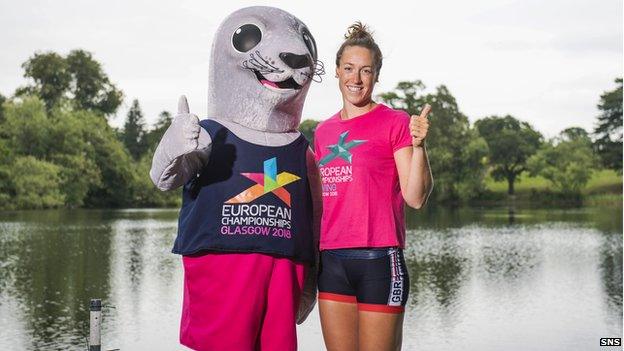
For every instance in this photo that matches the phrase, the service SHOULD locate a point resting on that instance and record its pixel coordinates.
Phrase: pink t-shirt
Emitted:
(362, 201)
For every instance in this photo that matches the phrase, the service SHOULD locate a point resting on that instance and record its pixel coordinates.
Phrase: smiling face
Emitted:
(356, 75)
(268, 72)
(263, 60)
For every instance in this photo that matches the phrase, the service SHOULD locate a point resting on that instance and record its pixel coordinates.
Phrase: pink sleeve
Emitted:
(400, 134)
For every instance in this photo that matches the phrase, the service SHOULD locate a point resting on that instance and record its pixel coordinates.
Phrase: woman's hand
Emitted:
(419, 126)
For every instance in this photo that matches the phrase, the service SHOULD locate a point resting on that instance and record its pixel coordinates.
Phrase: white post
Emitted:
(95, 324)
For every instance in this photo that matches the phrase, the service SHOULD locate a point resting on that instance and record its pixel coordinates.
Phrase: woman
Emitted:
(372, 159)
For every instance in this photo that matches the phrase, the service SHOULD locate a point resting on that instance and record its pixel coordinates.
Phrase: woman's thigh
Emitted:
(339, 322)
(380, 331)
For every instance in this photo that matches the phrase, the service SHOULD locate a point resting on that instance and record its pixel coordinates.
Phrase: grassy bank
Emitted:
(603, 189)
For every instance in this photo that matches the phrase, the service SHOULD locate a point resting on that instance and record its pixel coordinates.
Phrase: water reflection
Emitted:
(435, 267)
(605, 219)
(481, 279)
(49, 269)
(611, 269)
(548, 286)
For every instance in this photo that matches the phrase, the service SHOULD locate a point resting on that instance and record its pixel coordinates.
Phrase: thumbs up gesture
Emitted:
(419, 126)
(186, 126)
(182, 137)
(183, 150)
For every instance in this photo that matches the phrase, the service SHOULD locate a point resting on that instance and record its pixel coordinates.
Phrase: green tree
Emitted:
(2, 101)
(51, 78)
(510, 143)
(609, 128)
(61, 152)
(25, 127)
(77, 78)
(573, 133)
(152, 137)
(71, 149)
(566, 161)
(78, 174)
(92, 89)
(6, 186)
(307, 128)
(92, 166)
(133, 135)
(405, 96)
(145, 193)
(36, 183)
(163, 122)
(114, 163)
(22, 133)
(456, 151)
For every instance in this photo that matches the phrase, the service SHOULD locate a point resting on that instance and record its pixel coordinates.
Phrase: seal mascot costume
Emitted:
(248, 226)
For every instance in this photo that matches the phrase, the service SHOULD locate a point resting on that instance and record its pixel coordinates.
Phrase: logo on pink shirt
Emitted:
(341, 149)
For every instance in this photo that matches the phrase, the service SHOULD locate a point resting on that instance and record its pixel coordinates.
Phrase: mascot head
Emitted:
(262, 62)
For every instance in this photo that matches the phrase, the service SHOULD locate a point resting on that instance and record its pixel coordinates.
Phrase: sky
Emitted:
(545, 62)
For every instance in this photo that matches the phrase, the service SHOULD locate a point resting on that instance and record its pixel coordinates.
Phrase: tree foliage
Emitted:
(35, 183)
(133, 135)
(2, 100)
(91, 88)
(456, 151)
(153, 136)
(307, 128)
(77, 79)
(50, 75)
(609, 128)
(83, 149)
(566, 161)
(57, 150)
(510, 142)
(25, 128)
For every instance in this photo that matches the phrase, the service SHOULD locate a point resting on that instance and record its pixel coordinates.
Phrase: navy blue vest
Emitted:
(248, 198)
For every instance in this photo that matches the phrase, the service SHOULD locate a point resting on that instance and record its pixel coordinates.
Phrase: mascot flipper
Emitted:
(248, 226)
(182, 151)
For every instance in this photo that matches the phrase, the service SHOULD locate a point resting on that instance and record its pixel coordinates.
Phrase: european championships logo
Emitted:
(267, 182)
(341, 149)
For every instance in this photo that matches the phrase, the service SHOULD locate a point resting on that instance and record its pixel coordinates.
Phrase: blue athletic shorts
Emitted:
(376, 279)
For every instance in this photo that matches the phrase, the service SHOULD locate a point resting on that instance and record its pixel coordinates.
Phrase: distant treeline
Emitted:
(58, 150)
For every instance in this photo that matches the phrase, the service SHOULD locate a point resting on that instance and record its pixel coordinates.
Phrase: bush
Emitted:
(36, 183)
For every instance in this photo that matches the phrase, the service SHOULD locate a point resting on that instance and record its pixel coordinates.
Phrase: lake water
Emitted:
(481, 279)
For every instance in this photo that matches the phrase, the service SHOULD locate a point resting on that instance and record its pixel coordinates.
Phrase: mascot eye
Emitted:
(246, 37)
(309, 41)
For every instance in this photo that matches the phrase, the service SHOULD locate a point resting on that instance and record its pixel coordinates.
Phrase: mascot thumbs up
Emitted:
(248, 226)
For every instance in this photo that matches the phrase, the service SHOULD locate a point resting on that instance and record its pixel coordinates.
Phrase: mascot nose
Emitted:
(296, 61)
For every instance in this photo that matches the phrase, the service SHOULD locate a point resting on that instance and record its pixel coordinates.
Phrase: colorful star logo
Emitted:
(341, 149)
(267, 182)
